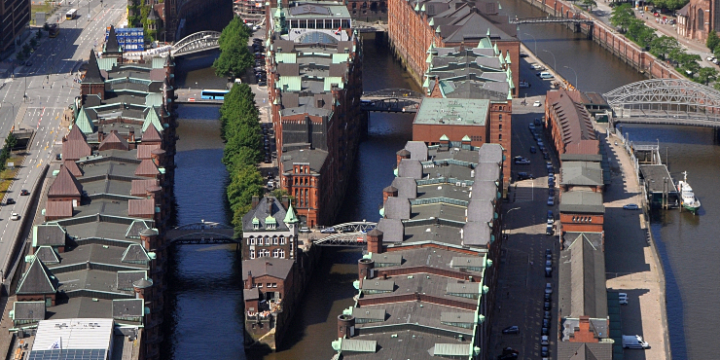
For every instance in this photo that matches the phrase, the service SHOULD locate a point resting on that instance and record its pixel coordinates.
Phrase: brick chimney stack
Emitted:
(374, 241)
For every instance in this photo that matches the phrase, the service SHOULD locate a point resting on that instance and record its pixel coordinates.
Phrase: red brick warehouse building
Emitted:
(414, 26)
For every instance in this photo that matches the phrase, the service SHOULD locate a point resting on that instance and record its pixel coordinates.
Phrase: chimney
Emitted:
(158, 157)
(346, 326)
(374, 241)
(255, 201)
(365, 267)
(101, 135)
(285, 202)
(402, 154)
(148, 238)
(132, 136)
(250, 281)
(389, 191)
(270, 209)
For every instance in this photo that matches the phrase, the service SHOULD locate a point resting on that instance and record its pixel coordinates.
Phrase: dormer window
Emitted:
(270, 223)
(256, 223)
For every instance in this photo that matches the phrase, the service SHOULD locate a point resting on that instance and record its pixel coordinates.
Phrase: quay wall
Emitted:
(610, 39)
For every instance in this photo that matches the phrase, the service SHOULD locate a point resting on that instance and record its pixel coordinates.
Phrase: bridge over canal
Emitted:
(201, 233)
(391, 100)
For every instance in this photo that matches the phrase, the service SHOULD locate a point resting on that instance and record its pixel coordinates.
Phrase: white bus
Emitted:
(71, 14)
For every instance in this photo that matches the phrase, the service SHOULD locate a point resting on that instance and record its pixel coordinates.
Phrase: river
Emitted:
(205, 281)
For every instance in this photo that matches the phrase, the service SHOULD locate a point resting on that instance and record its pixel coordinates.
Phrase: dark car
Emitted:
(262, 83)
(58, 157)
(546, 315)
(10, 201)
(24, 192)
(533, 150)
(548, 270)
(509, 350)
(547, 298)
(547, 306)
(511, 330)
(546, 323)
(267, 160)
(545, 331)
(544, 351)
(551, 192)
(508, 357)
(524, 176)
(548, 251)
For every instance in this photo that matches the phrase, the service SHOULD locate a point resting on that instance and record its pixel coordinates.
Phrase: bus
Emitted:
(211, 94)
(71, 14)
(53, 30)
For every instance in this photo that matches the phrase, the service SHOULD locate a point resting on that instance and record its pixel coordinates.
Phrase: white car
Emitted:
(544, 341)
(537, 103)
(15, 216)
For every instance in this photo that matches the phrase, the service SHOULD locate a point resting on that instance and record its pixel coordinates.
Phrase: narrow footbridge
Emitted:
(201, 233)
(391, 100)
(551, 20)
(346, 234)
(665, 102)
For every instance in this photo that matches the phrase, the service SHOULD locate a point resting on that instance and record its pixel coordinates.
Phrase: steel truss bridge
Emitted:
(551, 20)
(202, 233)
(391, 100)
(195, 43)
(348, 234)
(665, 102)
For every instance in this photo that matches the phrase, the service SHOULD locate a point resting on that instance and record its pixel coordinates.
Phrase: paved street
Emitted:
(50, 89)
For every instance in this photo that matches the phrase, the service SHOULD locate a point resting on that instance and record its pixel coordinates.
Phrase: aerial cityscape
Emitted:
(361, 179)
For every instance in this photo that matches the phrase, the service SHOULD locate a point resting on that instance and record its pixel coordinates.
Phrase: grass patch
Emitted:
(47, 8)
(8, 175)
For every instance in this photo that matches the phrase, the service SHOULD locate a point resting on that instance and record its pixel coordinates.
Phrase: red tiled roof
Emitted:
(147, 168)
(76, 134)
(151, 134)
(583, 147)
(73, 167)
(572, 118)
(141, 208)
(139, 187)
(113, 142)
(59, 209)
(65, 184)
(145, 151)
(75, 149)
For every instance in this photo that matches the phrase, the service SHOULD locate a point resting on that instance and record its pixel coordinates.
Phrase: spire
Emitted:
(65, 184)
(290, 217)
(112, 45)
(152, 118)
(507, 58)
(83, 122)
(93, 75)
(36, 280)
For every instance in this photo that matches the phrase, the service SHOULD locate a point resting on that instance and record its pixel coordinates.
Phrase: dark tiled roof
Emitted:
(393, 230)
(572, 118)
(135, 253)
(93, 75)
(29, 310)
(288, 69)
(75, 149)
(112, 45)
(584, 351)
(418, 150)
(410, 168)
(113, 141)
(65, 184)
(477, 234)
(268, 205)
(582, 202)
(127, 308)
(251, 294)
(278, 268)
(397, 208)
(314, 157)
(48, 255)
(406, 187)
(48, 234)
(125, 279)
(59, 209)
(36, 280)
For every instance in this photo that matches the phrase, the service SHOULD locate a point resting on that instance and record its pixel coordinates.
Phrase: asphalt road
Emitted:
(50, 89)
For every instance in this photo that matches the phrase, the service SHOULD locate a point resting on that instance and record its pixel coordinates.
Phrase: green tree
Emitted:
(589, 3)
(706, 74)
(716, 85)
(235, 56)
(10, 141)
(662, 46)
(712, 41)
(246, 181)
(671, 5)
(639, 33)
(622, 16)
(245, 137)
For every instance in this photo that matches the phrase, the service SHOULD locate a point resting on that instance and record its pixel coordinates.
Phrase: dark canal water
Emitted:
(205, 283)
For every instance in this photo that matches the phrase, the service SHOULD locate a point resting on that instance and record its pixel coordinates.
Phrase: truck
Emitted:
(634, 342)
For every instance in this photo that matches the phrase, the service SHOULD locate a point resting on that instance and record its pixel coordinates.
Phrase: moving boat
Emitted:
(687, 196)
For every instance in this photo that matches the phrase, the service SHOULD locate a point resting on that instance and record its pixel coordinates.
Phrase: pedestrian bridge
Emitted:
(201, 233)
(391, 100)
(348, 234)
(551, 20)
(665, 102)
(191, 44)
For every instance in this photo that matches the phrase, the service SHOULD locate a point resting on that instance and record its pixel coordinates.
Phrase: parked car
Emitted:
(631, 207)
(508, 357)
(537, 103)
(546, 306)
(551, 192)
(304, 229)
(330, 230)
(537, 121)
(551, 201)
(524, 176)
(546, 315)
(545, 331)
(544, 340)
(531, 126)
(533, 150)
(548, 297)
(544, 351)
(548, 288)
(511, 330)
(549, 230)
(548, 272)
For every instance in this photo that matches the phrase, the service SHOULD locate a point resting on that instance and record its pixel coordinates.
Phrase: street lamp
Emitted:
(534, 41)
(504, 225)
(553, 55)
(576, 78)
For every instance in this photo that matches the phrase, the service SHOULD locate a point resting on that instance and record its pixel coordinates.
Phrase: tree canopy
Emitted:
(235, 56)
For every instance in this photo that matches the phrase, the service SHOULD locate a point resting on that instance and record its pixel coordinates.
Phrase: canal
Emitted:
(205, 282)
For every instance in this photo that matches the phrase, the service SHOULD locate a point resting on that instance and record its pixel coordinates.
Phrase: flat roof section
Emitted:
(653, 175)
(437, 111)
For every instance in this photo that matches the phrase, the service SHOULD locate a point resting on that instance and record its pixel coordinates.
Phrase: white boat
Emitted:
(687, 197)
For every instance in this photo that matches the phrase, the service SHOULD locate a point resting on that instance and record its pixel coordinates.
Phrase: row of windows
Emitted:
(582, 219)
(303, 181)
(268, 240)
(277, 253)
(267, 285)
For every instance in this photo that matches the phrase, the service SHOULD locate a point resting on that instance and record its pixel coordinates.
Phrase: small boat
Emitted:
(687, 197)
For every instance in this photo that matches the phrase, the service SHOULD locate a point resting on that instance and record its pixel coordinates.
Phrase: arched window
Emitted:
(276, 253)
(701, 19)
(282, 240)
(264, 253)
(275, 240)
(267, 240)
(252, 253)
(251, 241)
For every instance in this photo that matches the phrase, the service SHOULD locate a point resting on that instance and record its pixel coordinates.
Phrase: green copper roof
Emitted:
(444, 138)
(153, 99)
(382, 212)
(484, 43)
(290, 217)
(488, 32)
(507, 58)
(289, 83)
(466, 138)
(106, 63)
(422, 8)
(328, 81)
(417, 7)
(495, 47)
(431, 22)
(426, 83)
(340, 58)
(269, 220)
(256, 221)
(152, 118)
(83, 122)
(286, 58)
(437, 30)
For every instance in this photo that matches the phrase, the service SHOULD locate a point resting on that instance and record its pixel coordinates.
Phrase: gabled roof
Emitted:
(73, 167)
(277, 268)
(141, 207)
(75, 133)
(144, 151)
(59, 209)
(93, 75)
(151, 134)
(112, 45)
(47, 254)
(152, 119)
(113, 141)
(36, 280)
(48, 234)
(147, 168)
(139, 187)
(65, 184)
(584, 351)
(135, 253)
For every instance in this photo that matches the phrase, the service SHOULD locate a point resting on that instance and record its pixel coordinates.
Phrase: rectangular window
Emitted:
(500, 137)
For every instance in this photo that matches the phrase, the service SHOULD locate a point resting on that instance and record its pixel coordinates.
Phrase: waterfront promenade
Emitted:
(631, 263)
